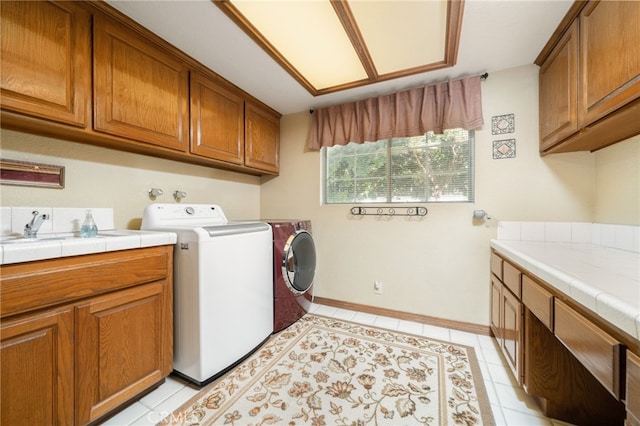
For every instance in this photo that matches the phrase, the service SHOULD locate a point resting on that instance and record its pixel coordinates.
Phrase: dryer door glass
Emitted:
(299, 262)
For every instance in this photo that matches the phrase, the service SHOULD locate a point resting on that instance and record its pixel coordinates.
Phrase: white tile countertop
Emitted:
(59, 234)
(51, 246)
(582, 262)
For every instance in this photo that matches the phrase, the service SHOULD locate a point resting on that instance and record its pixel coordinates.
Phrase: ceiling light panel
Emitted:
(309, 35)
(402, 34)
(332, 45)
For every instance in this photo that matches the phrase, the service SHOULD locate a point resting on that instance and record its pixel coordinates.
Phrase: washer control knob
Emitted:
(190, 211)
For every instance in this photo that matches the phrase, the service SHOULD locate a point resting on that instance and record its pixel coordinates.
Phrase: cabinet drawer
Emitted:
(633, 388)
(512, 278)
(600, 353)
(34, 285)
(496, 265)
(538, 300)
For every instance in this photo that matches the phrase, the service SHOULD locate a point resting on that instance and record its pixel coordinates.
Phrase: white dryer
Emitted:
(223, 288)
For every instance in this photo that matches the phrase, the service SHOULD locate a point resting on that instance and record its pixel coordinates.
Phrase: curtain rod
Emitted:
(482, 77)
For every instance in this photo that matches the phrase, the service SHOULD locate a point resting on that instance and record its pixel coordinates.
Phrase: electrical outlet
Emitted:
(377, 287)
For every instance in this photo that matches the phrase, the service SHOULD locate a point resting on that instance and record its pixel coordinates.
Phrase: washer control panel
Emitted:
(163, 215)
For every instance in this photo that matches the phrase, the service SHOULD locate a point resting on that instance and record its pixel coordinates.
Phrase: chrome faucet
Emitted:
(31, 228)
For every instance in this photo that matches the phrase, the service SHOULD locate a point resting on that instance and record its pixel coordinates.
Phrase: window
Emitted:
(428, 168)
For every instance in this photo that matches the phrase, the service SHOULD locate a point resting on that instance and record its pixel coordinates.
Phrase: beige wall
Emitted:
(437, 266)
(617, 191)
(100, 177)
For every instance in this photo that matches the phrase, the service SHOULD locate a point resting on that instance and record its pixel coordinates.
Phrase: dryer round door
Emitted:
(299, 262)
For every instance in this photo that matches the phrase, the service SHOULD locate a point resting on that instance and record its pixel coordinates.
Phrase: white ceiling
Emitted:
(496, 35)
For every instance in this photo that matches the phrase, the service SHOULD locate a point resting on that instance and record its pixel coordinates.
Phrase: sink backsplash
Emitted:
(61, 219)
(622, 237)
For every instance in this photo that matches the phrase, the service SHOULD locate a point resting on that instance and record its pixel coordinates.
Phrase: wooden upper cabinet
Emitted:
(590, 78)
(609, 58)
(558, 89)
(141, 91)
(217, 121)
(45, 61)
(262, 139)
(111, 82)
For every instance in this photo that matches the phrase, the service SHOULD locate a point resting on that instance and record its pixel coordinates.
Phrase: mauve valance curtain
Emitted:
(448, 105)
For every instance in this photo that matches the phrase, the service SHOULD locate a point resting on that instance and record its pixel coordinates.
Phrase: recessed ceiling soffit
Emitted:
(333, 45)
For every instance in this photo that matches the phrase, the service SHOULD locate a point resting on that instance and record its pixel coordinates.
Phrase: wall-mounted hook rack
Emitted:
(388, 211)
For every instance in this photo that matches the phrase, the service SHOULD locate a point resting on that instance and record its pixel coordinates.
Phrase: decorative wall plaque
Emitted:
(504, 149)
(502, 124)
(31, 174)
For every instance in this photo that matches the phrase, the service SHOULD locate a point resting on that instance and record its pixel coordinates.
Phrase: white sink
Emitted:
(15, 239)
(24, 240)
(16, 248)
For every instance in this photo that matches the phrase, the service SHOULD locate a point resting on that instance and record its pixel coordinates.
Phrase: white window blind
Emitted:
(429, 168)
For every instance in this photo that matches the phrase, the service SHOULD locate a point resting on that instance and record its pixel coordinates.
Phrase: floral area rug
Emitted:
(322, 371)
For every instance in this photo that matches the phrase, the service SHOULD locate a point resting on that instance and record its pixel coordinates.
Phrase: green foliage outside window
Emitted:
(428, 168)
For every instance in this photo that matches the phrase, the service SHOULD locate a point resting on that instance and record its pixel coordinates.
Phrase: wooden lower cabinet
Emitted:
(496, 311)
(565, 388)
(511, 343)
(506, 316)
(538, 300)
(564, 359)
(36, 365)
(76, 360)
(633, 389)
(594, 348)
(122, 348)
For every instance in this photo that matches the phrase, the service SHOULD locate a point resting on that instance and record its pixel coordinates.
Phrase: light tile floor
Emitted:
(510, 404)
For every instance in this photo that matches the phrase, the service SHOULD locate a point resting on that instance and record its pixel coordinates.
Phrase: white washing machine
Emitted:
(223, 287)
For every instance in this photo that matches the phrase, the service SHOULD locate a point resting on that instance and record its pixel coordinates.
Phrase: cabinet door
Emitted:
(496, 303)
(633, 389)
(558, 91)
(217, 121)
(45, 61)
(124, 343)
(36, 360)
(141, 91)
(262, 139)
(609, 57)
(512, 332)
